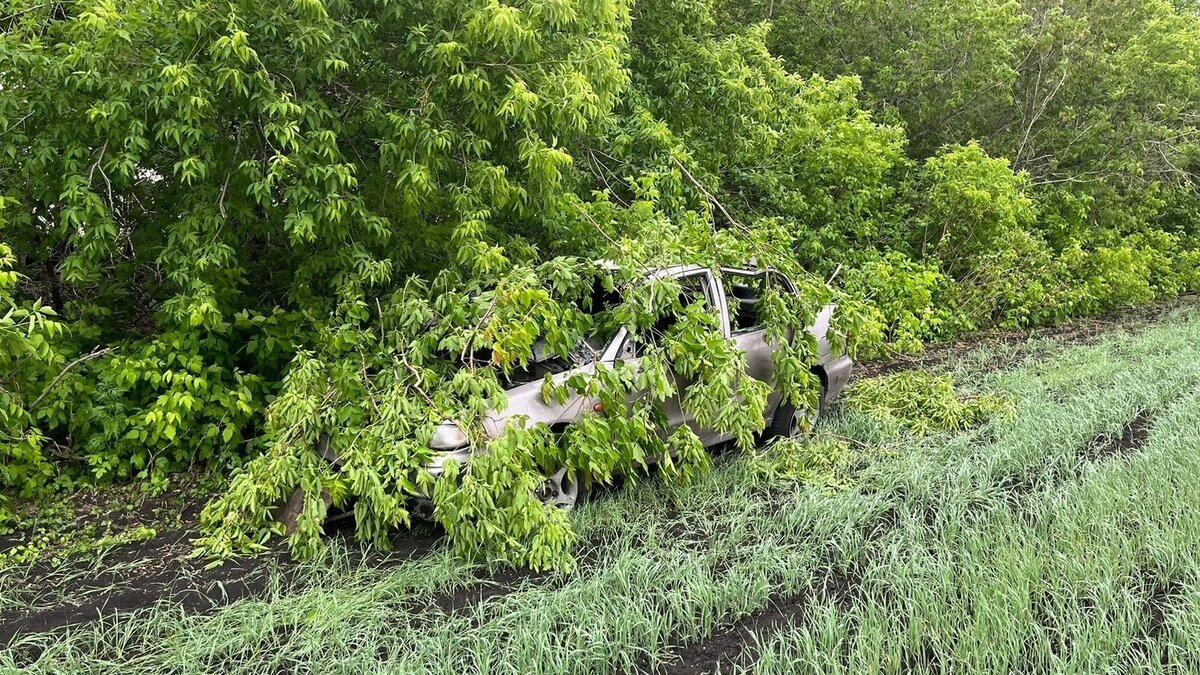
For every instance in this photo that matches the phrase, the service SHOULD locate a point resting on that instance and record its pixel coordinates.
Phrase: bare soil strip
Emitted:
(1132, 438)
(735, 645)
(726, 648)
(160, 570)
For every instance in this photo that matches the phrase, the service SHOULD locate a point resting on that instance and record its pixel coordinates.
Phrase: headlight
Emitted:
(447, 436)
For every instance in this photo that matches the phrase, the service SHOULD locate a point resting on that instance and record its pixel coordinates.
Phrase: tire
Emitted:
(786, 423)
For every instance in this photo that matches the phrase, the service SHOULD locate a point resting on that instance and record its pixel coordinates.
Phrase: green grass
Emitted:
(1009, 547)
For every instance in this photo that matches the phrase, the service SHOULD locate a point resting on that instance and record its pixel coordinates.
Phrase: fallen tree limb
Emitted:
(716, 202)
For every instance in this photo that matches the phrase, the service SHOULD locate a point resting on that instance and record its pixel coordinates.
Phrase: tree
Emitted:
(945, 68)
(26, 332)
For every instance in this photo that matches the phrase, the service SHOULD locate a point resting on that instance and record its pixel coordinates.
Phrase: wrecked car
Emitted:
(734, 295)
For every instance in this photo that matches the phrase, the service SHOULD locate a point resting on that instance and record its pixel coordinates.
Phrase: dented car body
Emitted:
(735, 301)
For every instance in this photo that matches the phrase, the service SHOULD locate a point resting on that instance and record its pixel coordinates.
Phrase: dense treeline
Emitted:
(1093, 103)
(232, 227)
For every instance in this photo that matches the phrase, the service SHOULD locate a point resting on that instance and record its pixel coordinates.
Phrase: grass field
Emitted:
(1062, 539)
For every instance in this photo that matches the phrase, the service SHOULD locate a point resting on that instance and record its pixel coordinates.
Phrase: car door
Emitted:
(695, 285)
(743, 291)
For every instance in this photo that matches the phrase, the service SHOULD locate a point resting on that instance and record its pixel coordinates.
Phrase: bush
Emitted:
(1046, 292)
(911, 299)
(161, 405)
(27, 332)
(974, 203)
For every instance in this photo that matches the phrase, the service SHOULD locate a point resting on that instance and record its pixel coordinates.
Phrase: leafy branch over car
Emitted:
(629, 371)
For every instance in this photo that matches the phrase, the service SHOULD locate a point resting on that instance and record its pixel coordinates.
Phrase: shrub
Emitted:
(974, 203)
(1118, 276)
(1047, 291)
(161, 405)
(27, 332)
(910, 298)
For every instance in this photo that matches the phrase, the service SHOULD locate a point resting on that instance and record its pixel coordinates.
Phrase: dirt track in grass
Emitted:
(736, 645)
(130, 578)
(52, 596)
(55, 594)
(728, 647)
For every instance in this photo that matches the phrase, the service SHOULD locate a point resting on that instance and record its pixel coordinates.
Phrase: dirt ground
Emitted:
(58, 593)
(55, 594)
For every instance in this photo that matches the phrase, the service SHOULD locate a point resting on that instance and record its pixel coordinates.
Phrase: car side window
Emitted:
(742, 295)
(692, 289)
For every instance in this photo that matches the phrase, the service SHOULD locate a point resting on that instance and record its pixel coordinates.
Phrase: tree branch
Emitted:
(706, 193)
(95, 354)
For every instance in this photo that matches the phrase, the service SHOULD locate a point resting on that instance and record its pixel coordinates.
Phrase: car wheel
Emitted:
(790, 421)
(563, 489)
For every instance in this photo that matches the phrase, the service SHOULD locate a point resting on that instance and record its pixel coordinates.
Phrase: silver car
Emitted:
(735, 296)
